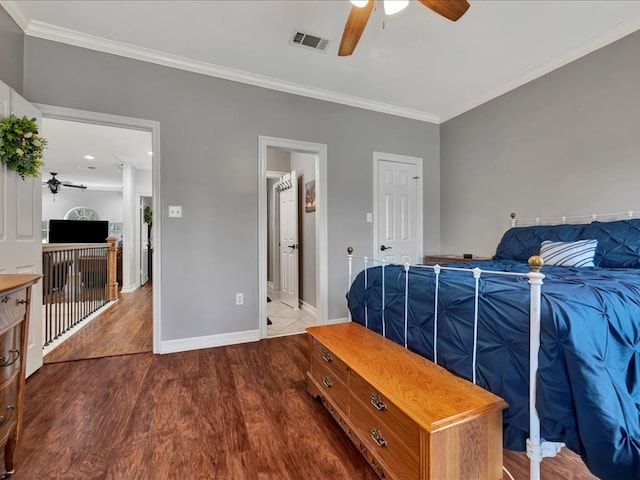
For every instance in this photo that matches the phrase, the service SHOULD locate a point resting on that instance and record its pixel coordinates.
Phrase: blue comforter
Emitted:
(589, 362)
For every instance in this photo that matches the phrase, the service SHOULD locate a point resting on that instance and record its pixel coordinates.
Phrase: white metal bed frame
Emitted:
(536, 447)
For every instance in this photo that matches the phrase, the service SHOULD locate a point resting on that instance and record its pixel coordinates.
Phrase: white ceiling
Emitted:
(68, 143)
(419, 66)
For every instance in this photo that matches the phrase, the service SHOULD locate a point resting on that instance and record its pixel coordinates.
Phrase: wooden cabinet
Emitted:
(15, 299)
(410, 418)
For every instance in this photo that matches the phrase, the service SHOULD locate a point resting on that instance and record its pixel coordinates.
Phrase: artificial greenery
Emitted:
(148, 215)
(21, 148)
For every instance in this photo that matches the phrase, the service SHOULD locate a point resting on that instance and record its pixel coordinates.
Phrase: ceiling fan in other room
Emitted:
(54, 184)
(361, 11)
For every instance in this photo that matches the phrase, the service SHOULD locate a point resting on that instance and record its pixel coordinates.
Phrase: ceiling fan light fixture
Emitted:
(360, 3)
(394, 6)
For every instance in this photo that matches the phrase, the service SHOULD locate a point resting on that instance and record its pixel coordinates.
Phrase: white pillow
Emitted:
(569, 254)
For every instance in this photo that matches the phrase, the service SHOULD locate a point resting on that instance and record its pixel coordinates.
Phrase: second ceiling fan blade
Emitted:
(451, 9)
(354, 27)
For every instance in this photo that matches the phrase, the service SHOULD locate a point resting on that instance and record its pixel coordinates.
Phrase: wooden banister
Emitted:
(112, 284)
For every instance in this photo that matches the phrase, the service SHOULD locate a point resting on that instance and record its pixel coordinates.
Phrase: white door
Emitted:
(288, 187)
(20, 227)
(398, 216)
(144, 245)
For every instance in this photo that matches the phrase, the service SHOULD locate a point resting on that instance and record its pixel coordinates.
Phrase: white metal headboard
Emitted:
(591, 217)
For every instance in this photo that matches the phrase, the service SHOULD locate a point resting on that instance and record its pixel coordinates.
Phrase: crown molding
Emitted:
(49, 32)
(18, 15)
(622, 30)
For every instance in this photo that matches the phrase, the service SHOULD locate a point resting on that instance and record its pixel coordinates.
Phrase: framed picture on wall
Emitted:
(310, 196)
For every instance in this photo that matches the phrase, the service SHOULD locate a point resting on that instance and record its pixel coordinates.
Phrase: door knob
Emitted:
(383, 248)
(293, 246)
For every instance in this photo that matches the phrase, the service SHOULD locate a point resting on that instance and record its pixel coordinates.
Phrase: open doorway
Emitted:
(309, 157)
(291, 241)
(121, 178)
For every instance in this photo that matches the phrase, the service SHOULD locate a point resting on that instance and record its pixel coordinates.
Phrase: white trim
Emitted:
(153, 126)
(130, 288)
(322, 284)
(275, 174)
(270, 285)
(333, 321)
(209, 341)
(46, 31)
(418, 162)
(307, 308)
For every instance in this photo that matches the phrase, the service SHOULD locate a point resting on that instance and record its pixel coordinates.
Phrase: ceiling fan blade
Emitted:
(354, 27)
(451, 9)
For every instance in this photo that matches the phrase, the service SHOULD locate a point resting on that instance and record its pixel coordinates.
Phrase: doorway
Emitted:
(131, 250)
(318, 155)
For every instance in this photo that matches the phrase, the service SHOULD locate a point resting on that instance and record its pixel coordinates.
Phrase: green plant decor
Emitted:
(21, 148)
(148, 215)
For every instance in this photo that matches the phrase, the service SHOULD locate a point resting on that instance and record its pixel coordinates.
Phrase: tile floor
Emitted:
(285, 320)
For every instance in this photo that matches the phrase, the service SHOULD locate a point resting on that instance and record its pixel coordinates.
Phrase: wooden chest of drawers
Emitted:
(15, 298)
(409, 418)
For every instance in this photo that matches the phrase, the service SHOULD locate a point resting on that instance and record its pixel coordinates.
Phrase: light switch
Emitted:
(369, 217)
(175, 211)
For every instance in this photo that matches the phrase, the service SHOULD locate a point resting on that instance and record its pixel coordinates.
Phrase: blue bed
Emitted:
(589, 362)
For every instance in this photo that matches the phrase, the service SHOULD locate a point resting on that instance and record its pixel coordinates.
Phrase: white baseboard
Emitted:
(130, 288)
(331, 321)
(310, 309)
(270, 285)
(197, 343)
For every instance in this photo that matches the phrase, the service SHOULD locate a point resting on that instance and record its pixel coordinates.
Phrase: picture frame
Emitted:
(310, 196)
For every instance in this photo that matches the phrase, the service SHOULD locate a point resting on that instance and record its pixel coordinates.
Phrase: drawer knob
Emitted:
(326, 356)
(376, 401)
(326, 382)
(10, 359)
(5, 299)
(22, 302)
(5, 419)
(377, 437)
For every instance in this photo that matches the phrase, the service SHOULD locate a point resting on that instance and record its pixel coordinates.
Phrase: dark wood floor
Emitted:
(232, 413)
(124, 328)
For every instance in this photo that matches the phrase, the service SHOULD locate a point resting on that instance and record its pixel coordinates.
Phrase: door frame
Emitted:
(84, 116)
(418, 162)
(322, 285)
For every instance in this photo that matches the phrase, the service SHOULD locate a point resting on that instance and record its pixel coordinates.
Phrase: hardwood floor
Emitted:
(229, 413)
(124, 328)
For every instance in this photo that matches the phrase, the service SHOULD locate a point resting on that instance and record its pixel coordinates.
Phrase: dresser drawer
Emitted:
(331, 385)
(325, 356)
(12, 308)
(386, 412)
(8, 408)
(384, 443)
(10, 354)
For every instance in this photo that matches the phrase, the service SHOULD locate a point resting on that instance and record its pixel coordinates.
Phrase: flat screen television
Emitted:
(78, 231)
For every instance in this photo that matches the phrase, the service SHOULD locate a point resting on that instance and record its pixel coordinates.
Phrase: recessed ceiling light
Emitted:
(89, 157)
(150, 153)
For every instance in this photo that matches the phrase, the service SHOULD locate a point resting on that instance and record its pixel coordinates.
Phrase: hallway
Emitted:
(125, 328)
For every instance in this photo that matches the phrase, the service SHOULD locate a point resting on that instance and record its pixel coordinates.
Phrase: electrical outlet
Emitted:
(239, 298)
(175, 211)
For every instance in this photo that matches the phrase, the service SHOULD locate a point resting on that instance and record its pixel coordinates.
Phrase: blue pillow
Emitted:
(618, 243)
(519, 243)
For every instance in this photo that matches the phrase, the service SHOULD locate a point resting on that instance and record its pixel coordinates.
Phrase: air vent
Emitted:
(313, 42)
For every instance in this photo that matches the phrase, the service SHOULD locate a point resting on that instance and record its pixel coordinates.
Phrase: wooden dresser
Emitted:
(410, 418)
(15, 299)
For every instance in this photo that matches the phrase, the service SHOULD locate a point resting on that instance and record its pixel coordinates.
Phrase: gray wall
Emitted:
(567, 143)
(11, 52)
(209, 130)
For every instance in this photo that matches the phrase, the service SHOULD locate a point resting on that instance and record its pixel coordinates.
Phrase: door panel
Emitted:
(20, 240)
(289, 282)
(397, 204)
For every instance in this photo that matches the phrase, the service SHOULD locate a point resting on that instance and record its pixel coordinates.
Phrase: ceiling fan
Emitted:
(361, 11)
(54, 184)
